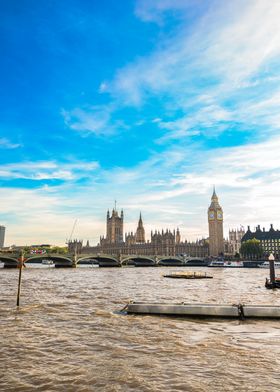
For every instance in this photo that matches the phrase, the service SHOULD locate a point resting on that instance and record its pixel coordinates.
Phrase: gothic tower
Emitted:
(215, 222)
(114, 227)
(178, 236)
(140, 232)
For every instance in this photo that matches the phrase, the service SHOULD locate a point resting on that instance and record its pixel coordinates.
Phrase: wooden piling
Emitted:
(21, 261)
(272, 271)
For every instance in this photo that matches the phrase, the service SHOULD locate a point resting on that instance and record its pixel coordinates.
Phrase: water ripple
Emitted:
(70, 335)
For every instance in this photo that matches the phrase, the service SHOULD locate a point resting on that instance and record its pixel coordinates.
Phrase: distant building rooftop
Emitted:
(261, 234)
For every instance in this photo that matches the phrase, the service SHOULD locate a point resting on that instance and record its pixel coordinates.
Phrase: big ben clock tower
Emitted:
(215, 221)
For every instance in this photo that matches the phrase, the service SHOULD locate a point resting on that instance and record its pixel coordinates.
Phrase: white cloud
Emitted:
(234, 38)
(156, 120)
(47, 170)
(40, 216)
(103, 87)
(139, 123)
(203, 66)
(211, 116)
(153, 11)
(200, 68)
(248, 42)
(5, 143)
(93, 120)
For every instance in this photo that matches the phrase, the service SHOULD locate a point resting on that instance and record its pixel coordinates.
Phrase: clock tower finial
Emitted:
(214, 195)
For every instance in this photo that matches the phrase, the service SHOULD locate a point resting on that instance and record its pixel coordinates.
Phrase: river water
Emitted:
(69, 333)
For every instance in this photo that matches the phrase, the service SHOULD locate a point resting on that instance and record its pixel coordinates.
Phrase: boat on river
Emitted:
(252, 263)
(188, 275)
(272, 285)
(47, 262)
(265, 264)
(226, 264)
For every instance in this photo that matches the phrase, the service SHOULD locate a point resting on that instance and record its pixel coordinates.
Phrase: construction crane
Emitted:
(73, 228)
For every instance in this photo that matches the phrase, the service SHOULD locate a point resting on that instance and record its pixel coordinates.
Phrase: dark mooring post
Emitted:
(272, 268)
(20, 265)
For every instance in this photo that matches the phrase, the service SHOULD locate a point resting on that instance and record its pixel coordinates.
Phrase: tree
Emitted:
(251, 249)
(58, 249)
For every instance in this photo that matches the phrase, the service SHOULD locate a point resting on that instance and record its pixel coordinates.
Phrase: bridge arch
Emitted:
(9, 260)
(55, 258)
(195, 261)
(139, 260)
(102, 260)
(170, 260)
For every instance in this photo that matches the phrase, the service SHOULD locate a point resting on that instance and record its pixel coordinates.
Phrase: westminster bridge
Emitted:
(12, 260)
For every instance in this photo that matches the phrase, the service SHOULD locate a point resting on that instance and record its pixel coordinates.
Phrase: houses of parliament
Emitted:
(162, 242)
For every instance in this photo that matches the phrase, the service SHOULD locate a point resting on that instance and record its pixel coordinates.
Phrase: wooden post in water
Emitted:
(271, 268)
(20, 265)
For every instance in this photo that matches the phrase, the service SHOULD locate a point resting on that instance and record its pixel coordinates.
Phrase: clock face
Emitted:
(220, 215)
(211, 215)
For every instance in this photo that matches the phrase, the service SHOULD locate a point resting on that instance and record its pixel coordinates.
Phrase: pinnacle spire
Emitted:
(140, 232)
(214, 195)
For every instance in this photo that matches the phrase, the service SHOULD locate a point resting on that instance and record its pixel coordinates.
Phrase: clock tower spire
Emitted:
(215, 222)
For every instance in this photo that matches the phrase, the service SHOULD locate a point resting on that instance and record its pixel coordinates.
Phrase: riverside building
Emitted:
(269, 240)
(2, 236)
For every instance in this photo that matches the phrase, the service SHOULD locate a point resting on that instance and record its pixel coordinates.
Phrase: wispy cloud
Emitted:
(5, 143)
(208, 71)
(155, 11)
(225, 39)
(208, 121)
(47, 170)
(95, 120)
(221, 59)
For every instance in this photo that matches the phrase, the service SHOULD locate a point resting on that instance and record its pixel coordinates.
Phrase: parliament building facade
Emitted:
(162, 242)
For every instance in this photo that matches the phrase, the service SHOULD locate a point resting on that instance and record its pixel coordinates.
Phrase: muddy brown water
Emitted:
(69, 333)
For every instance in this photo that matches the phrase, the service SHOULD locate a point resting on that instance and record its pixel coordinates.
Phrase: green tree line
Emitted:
(251, 249)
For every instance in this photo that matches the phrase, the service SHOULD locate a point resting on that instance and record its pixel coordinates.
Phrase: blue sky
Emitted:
(146, 102)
